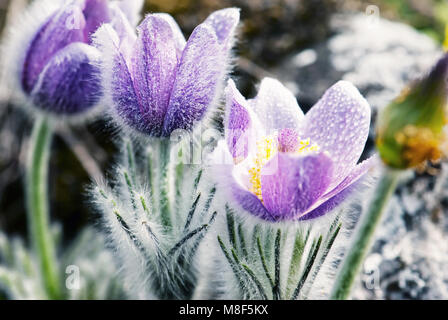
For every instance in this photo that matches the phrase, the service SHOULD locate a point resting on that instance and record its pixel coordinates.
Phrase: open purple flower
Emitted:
(157, 82)
(59, 71)
(287, 165)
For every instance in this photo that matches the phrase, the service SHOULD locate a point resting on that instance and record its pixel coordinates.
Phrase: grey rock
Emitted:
(380, 58)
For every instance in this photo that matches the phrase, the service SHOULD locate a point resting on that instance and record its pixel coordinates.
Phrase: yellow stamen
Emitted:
(266, 149)
(419, 144)
(305, 146)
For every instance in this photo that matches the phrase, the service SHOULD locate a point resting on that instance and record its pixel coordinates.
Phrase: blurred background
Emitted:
(309, 45)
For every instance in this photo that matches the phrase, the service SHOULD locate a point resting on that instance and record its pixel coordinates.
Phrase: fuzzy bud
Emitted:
(410, 129)
(157, 81)
(59, 70)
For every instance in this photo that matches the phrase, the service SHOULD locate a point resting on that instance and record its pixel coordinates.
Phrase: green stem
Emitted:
(179, 175)
(363, 236)
(164, 182)
(152, 163)
(38, 218)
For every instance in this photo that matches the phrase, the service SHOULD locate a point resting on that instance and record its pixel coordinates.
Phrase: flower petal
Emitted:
(221, 167)
(154, 64)
(70, 82)
(179, 39)
(117, 79)
(330, 204)
(126, 33)
(290, 184)
(201, 70)
(224, 22)
(276, 106)
(237, 123)
(357, 172)
(64, 27)
(251, 203)
(96, 12)
(132, 9)
(336, 196)
(339, 124)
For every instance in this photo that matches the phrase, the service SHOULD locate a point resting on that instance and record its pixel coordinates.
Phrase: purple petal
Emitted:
(339, 124)
(64, 27)
(201, 71)
(237, 122)
(118, 79)
(125, 32)
(154, 64)
(131, 9)
(357, 172)
(220, 165)
(336, 196)
(290, 184)
(250, 203)
(124, 97)
(330, 204)
(71, 81)
(276, 106)
(96, 12)
(223, 22)
(179, 39)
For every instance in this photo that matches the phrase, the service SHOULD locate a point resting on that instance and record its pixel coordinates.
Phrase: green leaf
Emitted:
(297, 253)
(308, 266)
(277, 290)
(256, 282)
(191, 212)
(263, 263)
(231, 226)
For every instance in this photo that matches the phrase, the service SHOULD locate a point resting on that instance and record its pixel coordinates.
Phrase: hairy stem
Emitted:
(164, 182)
(277, 290)
(38, 218)
(363, 235)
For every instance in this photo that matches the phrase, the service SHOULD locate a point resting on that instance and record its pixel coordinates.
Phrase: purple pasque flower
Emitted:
(59, 70)
(287, 165)
(157, 82)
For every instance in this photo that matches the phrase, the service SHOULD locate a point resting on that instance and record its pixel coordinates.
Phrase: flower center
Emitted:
(266, 148)
(286, 141)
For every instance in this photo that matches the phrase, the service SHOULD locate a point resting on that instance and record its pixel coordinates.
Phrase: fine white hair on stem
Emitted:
(327, 238)
(158, 259)
(349, 213)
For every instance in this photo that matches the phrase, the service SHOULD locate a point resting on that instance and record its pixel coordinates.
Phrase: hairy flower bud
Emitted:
(56, 67)
(410, 129)
(157, 81)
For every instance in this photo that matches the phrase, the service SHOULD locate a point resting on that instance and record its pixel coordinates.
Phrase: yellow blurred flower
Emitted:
(410, 129)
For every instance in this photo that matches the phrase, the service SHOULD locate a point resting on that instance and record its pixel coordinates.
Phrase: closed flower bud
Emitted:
(156, 81)
(56, 67)
(410, 129)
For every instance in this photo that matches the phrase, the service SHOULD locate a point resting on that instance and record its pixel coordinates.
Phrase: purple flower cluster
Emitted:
(285, 165)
